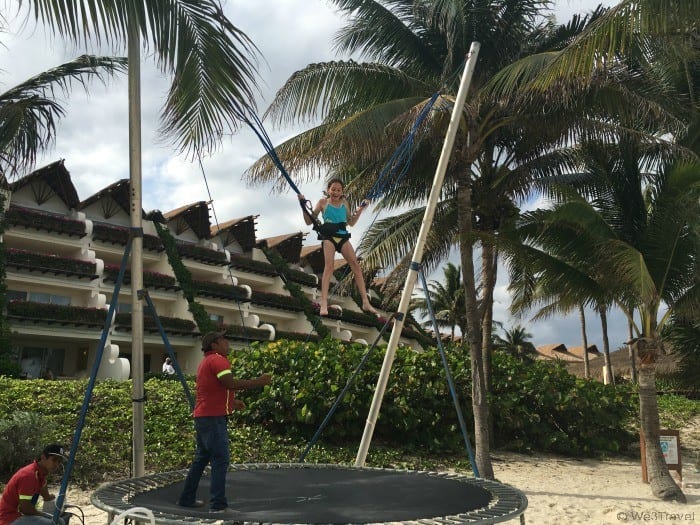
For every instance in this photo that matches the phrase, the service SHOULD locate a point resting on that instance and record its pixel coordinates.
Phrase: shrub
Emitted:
(22, 438)
(536, 406)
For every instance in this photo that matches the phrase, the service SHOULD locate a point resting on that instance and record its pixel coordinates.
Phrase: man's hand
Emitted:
(238, 404)
(265, 379)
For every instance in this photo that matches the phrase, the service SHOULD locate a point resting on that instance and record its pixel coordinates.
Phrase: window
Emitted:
(14, 295)
(41, 362)
(217, 318)
(47, 298)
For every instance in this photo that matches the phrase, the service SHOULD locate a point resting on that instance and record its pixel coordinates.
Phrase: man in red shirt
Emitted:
(216, 399)
(18, 502)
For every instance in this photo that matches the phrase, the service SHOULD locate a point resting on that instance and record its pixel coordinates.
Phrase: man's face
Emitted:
(50, 462)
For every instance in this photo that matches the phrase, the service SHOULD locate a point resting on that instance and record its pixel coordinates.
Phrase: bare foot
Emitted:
(323, 309)
(369, 309)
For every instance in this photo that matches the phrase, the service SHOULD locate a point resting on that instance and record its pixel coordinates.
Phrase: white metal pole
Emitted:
(417, 254)
(134, 55)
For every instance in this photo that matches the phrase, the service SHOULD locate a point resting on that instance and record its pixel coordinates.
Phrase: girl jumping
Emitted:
(335, 238)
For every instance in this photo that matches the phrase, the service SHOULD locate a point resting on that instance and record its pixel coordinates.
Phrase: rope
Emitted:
(228, 267)
(401, 156)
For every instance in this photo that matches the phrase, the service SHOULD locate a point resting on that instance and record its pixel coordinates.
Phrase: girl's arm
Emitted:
(315, 212)
(352, 219)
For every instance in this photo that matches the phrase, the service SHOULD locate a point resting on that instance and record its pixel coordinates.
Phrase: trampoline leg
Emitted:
(522, 519)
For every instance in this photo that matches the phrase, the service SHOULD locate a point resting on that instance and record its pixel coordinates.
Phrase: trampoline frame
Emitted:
(506, 503)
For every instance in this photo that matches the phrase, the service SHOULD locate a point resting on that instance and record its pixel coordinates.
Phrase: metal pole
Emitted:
(417, 254)
(137, 396)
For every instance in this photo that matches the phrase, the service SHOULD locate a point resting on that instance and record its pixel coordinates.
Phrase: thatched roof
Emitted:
(54, 177)
(556, 351)
(194, 216)
(241, 230)
(620, 361)
(288, 245)
(578, 351)
(313, 256)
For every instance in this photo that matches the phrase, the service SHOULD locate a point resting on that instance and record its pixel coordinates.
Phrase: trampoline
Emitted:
(288, 493)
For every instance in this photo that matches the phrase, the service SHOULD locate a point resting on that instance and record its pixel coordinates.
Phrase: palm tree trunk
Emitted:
(630, 349)
(606, 345)
(480, 404)
(489, 258)
(662, 484)
(586, 366)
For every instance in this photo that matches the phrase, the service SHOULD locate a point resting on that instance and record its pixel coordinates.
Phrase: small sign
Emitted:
(669, 446)
(669, 440)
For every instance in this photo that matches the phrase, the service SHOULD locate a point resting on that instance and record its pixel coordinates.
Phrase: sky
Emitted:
(290, 34)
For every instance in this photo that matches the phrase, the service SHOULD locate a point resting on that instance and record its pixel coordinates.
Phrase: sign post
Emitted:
(670, 442)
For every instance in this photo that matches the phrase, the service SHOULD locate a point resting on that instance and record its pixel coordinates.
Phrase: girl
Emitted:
(334, 210)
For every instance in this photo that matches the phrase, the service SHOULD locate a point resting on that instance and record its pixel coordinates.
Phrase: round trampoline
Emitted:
(310, 493)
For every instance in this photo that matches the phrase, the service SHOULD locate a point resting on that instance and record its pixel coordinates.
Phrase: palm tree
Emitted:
(29, 113)
(446, 299)
(211, 61)
(212, 90)
(516, 341)
(415, 47)
(644, 252)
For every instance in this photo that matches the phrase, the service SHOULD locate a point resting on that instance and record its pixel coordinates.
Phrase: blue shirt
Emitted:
(335, 215)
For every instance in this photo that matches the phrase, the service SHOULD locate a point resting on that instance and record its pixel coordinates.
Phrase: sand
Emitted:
(564, 491)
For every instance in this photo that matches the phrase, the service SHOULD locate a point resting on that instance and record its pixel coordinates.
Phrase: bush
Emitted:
(22, 438)
(537, 406)
(540, 406)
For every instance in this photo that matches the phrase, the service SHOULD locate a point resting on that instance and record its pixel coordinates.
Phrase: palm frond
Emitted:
(321, 89)
(29, 111)
(211, 60)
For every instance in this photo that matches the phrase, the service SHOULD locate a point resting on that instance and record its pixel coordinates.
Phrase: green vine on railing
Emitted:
(295, 291)
(184, 277)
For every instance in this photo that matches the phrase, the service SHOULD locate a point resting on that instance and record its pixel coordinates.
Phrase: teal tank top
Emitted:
(336, 214)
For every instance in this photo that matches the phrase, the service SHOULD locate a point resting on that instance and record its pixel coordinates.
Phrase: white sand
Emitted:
(564, 491)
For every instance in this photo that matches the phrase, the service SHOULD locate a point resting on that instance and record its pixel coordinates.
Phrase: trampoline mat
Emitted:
(308, 495)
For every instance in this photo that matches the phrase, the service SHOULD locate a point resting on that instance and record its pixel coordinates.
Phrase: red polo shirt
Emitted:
(26, 484)
(213, 398)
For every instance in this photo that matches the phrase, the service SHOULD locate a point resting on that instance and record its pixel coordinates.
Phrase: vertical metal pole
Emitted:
(136, 207)
(417, 254)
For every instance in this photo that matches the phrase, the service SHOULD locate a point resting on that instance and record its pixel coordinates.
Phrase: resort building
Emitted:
(63, 257)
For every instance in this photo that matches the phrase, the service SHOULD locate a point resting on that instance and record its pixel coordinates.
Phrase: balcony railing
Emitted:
(109, 233)
(56, 314)
(47, 263)
(201, 254)
(150, 279)
(273, 300)
(52, 223)
(247, 264)
(172, 325)
(220, 290)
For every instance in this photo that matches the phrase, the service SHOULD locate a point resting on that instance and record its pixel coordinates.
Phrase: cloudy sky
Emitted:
(93, 137)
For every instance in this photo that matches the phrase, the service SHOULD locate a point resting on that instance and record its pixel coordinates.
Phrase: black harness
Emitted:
(326, 231)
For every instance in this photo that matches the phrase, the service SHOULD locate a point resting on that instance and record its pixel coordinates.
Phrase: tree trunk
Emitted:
(608, 372)
(630, 349)
(662, 484)
(489, 258)
(586, 366)
(480, 404)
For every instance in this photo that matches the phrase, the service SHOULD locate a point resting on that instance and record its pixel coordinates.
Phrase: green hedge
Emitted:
(536, 406)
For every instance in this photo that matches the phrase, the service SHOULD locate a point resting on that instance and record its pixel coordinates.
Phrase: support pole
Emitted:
(135, 211)
(417, 254)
